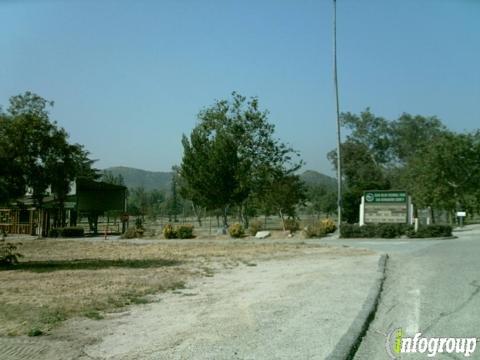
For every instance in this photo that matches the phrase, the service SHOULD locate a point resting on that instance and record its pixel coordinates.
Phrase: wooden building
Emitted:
(87, 199)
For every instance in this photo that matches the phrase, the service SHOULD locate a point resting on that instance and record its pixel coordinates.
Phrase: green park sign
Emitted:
(384, 207)
(391, 197)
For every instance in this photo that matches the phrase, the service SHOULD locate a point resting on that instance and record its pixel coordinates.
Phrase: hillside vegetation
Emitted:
(161, 180)
(150, 180)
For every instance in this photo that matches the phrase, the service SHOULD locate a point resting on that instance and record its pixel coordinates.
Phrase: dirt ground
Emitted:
(80, 293)
(61, 279)
(227, 296)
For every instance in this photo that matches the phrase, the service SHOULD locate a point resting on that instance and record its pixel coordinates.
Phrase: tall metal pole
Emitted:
(339, 157)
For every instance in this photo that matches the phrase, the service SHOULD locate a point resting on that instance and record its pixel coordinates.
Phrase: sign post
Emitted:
(461, 215)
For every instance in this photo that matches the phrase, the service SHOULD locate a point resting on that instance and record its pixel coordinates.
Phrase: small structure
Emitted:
(87, 199)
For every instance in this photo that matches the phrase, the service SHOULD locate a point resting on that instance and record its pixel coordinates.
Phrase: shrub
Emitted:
(431, 231)
(314, 231)
(139, 223)
(328, 226)
(369, 230)
(151, 232)
(73, 231)
(54, 232)
(291, 225)
(8, 253)
(350, 231)
(255, 226)
(236, 230)
(184, 231)
(169, 232)
(388, 231)
(35, 331)
(320, 228)
(131, 233)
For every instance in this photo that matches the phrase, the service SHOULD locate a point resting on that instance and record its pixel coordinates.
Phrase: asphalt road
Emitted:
(431, 287)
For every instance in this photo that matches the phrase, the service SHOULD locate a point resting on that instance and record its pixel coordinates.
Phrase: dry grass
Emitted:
(60, 279)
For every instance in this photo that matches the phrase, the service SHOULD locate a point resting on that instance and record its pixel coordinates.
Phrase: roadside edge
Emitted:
(351, 340)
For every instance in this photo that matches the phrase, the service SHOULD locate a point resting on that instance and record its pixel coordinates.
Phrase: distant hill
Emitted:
(148, 179)
(161, 179)
(312, 177)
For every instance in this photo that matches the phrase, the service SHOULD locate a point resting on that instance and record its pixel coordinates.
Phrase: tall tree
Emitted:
(361, 172)
(286, 192)
(138, 201)
(110, 178)
(210, 171)
(410, 134)
(38, 151)
(320, 199)
(447, 173)
(12, 180)
(174, 203)
(372, 132)
(231, 154)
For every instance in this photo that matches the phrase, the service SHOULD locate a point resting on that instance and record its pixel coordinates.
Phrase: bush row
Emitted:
(390, 231)
(71, 231)
(178, 232)
(431, 231)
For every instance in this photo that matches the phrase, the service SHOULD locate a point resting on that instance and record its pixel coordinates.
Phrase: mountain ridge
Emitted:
(161, 180)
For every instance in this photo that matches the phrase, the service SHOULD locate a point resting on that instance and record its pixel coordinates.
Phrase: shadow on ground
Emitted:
(89, 264)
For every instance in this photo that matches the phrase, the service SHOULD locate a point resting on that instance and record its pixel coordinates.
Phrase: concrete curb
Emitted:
(349, 343)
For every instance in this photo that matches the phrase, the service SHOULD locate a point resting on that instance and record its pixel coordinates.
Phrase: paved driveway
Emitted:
(432, 287)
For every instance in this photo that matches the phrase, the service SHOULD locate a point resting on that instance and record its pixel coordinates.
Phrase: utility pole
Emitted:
(339, 157)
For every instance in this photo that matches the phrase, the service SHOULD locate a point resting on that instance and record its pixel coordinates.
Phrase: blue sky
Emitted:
(129, 77)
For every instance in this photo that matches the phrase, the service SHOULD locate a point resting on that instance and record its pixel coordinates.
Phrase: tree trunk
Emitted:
(225, 217)
(283, 220)
(197, 214)
(243, 217)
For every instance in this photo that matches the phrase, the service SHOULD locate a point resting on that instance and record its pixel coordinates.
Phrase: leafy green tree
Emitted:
(156, 199)
(30, 104)
(209, 171)
(110, 178)
(446, 174)
(12, 181)
(286, 192)
(372, 132)
(138, 202)
(174, 203)
(321, 199)
(360, 172)
(230, 156)
(37, 151)
(381, 154)
(409, 135)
